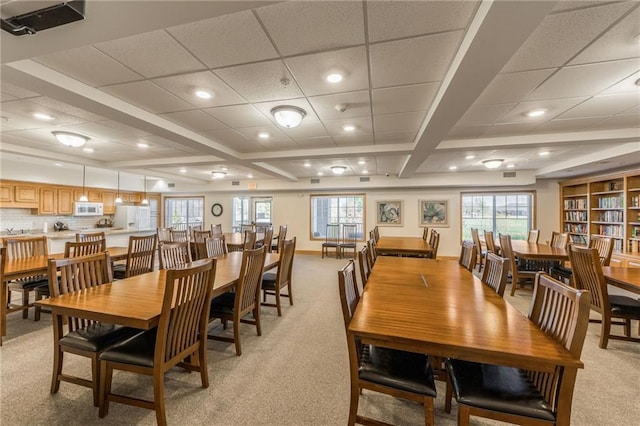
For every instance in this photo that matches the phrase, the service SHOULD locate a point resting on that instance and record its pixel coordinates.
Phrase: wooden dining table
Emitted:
(235, 240)
(623, 277)
(137, 301)
(415, 246)
(538, 251)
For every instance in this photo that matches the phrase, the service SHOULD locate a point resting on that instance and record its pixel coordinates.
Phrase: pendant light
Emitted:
(145, 201)
(118, 198)
(83, 197)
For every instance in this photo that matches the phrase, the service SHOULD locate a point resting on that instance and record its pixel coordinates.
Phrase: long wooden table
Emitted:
(137, 301)
(538, 251)
(403, 245)
(235, 240)
(625, 278)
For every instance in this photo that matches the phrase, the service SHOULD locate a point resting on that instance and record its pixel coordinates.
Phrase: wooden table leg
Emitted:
(3, 309)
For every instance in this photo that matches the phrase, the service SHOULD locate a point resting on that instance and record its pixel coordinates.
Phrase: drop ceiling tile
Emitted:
(238, 116)
(65, 108)
(278, 145)
(275, 134)
(390, 163)
(414, 60)
(262, 81)
(626, 85)
(266, 107)
(16, 91)
(146, 95)
(90, 66)
(509, 129)
(604, 105)
(621, 121)
(617, 43)
(233, 140)
(568, 125)
(512, 87)
(362, 124)
(151, 54)
(354, 140)
(307, 130)
(25, 108)
(417, 97)
(357, 105)
(388, 123)
(395, 138)
(316, 142)
(310, 71)
(185, 85)
(466, 132)
(561, 36)
(119, 130)
(575, 4)
(4, 97)
(554, 108)
(226, 40)
(483, 115)
(389, 20)
(585, 80)
(302, 27)
(195, 120)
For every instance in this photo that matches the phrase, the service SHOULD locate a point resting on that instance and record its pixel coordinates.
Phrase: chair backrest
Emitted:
(179, 236)
(19, 248)
(435, 243)
(468, 255)
(282, 235)
(173, 255)
(198, 236)
(249, 240)
(267, 237)
(141, 255)
(212, 247)
(244, 228)
(562, 313)
(495, 273)
(507, 253)
(3, 265)
(91, 236)
(559, 240)
(475, 236)
(349, 294)
(285, 265)
(164, 235)
(248, 287)
(262, 228)
(373, 254)
(349, 233)
(185, 311)
(333, 234)
(425, 233)
(604, 245)
(216, 229)
(376, 234)
(490, 242)
(533, 236)
(587, 275)
(83, 248)
(365, 267)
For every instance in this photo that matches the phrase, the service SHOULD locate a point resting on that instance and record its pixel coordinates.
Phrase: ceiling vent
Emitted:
(314, 180)
(364, 179)
(171, 185)
(508, 174)
(235, 183)
(43, 19)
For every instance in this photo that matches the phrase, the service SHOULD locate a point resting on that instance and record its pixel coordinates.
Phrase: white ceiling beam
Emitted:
(48, 155)
(628, 149)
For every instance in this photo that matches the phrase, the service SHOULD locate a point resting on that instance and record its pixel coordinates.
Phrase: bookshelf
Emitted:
(633, 214)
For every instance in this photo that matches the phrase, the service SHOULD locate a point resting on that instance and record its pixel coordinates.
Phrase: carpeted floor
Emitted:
(296, 373)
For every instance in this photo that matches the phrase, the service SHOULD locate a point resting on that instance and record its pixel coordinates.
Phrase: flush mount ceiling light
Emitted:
(536, 113)
(453, 167)
(334, 77)
(544, 153)
(492, 164)
(218, 174)
(204, 94)
(288, 116)
(264, 135)
(348, 127)
(42, 116)
(142, 145)
(470, 157)
(70, 139)
(338, 170)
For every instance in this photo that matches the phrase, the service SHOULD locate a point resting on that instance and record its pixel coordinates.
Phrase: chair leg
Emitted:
(278, 301)
(256, 317)
(95, 373)
(605, 330)
(353, 404)
(202, 363)
(106, 375)
(158, 399)
(428, 411)
(236, 336)
(627, 327)
(448, 397)
(25, 304)
(58, 358)
(290, 294)
(463, 415)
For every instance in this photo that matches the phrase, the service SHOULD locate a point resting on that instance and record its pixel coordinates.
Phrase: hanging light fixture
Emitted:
(145, 201)
(118, 198)
(70, 139)
(83, 197)
(288, 116)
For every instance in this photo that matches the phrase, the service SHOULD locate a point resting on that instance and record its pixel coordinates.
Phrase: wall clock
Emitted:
(216, 209)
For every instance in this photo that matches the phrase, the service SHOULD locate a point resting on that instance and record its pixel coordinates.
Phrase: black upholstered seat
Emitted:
(223, 303)
(498, 388)
(138, 350)
(624, 305)
(269, 280)
(97, 336)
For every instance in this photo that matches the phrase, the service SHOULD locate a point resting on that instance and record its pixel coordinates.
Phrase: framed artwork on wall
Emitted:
(389, 213)
(434, 212)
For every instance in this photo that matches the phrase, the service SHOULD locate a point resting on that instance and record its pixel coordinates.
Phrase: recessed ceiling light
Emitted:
(142, 145)
(536, 113)
(510, 166)
(334, 77)
(263, 135)
(183, 170)
(250, 176)
(320, 173)
(224, 168)
(70, 139)
(307, 164)
(204, 94)
(470, 157)
(453, 167)
(57, 164)
(364, 172)
(492, 164)
(361, 162)
(544, 153)
(348, 127)
(42, 116)
(87, 149)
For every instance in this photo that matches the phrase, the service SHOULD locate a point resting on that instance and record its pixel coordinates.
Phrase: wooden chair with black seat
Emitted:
(587, 275)
(164, 235)
(173, 255)
(468, 255)
(245, 228)
(519, 276)
(267, 236)
(90, 236)
(434, 242)
(490, 242)
(495, 273)
(212, 247)
(282, 235)
(234, 306)
(272, 284)
(364, 265)
(523, 396)
(198, 236)
(401, 374)
(216, 229)
(533, 236)
(22, 248)
(141, 256)
(425, 233)
(179, 236)
(332, 240)
(349, 239)
(250, 238)
(179, 339)
(376, 234)
(604, 245)
(84, 337)
(480, 254)
(372, 252)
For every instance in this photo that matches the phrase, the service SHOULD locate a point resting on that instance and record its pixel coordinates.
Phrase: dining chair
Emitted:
(468, 255)
(250, 238)
(179, 236)
(282, 235)
(177, 341)
(495, 273)
(604, 245)
(267, 238)
(90, 236)
(84, 337)
(365, 267)
(425, 233)
(212, 247)
(173, 255)
(216, 229)
(273, 283)
(3, 265)
(373, 253)
(23, 248)
(198, 236)
(519, 276)
(491, 242)
(244, 228)
(533, 236)
(519, 395)
(332, 240)
(376, 233)
(434, 243)
(614, 309)
(164, 235)
(400, 374)
(559, 240)
(141, 256)
(349, 238)
(234, 306)
(480, 254)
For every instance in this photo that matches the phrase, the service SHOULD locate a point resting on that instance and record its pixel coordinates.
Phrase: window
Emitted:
(184, 213)
(502, 213)
(336, 209)
(251, 209)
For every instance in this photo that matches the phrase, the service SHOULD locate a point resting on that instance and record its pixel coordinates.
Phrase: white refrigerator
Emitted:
(132, 217)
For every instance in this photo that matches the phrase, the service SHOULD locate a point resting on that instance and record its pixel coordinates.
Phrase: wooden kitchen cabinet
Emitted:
(94, 196)
(134, 197)
(26, 194)
(48, 201)
(65, 201)
(108, 202)
(6, 193)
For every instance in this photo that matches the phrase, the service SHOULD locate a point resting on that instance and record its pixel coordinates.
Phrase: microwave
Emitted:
(81, 208)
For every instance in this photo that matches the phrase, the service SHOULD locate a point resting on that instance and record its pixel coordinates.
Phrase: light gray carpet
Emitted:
(296, 373)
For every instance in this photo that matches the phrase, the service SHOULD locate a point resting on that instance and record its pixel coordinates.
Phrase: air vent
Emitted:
(171, 185)
(235, 183)
(508, 174)
(364, 179)
(315, 180)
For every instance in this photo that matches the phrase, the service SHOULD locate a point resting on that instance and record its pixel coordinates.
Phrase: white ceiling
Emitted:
(427, 83)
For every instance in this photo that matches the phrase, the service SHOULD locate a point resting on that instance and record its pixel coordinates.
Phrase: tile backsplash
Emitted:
(23, 220)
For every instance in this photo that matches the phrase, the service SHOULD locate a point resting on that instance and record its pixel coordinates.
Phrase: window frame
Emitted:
(363, 195)
(167, 212)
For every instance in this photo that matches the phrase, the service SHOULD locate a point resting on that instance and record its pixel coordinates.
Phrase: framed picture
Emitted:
(434, 213)
(389, 213)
